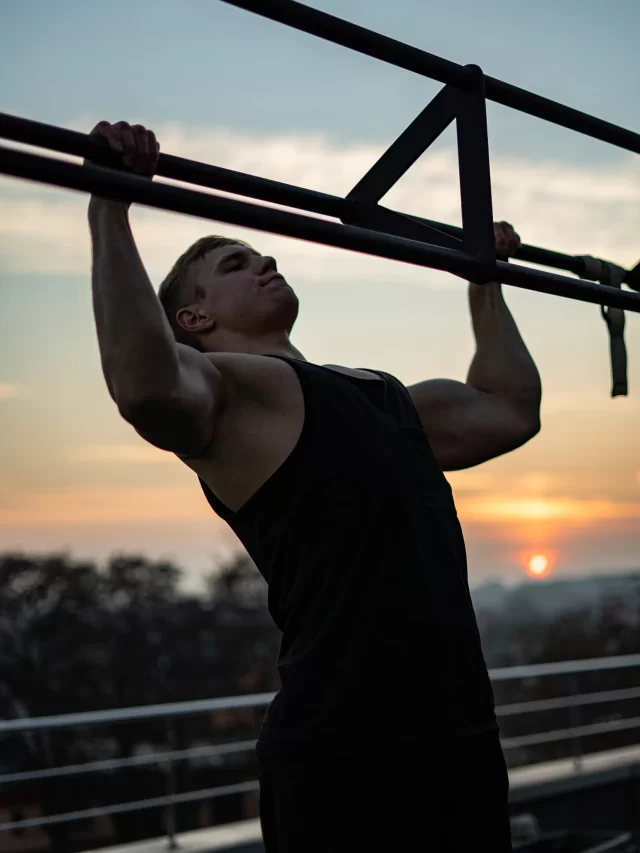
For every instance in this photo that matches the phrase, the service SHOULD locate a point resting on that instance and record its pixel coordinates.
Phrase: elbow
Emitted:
(529, 427)
(135, 403)
(138, 411)
(532, 416)
(527, 411)
(132, 410)
(137, 408)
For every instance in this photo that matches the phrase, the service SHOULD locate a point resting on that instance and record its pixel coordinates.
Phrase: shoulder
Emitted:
(255, 379)
(357, 372)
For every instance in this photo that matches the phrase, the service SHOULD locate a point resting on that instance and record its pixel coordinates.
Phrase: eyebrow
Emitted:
(235, 255)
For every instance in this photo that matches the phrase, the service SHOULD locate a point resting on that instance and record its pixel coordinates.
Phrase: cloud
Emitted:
(506, 508)
(104, 505)
(11, 390)
(143, 454)
(571, 209)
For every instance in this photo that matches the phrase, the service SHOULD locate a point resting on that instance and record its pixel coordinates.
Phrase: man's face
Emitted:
(244, 292)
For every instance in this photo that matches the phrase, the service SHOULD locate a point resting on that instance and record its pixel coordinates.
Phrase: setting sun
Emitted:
(538, 566)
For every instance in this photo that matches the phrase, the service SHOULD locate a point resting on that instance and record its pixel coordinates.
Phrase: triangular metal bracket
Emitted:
(468, 108)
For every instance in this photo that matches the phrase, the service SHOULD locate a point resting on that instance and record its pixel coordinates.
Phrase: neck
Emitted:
(268, 345)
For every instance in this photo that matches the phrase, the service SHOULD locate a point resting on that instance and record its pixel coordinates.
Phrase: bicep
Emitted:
(185, 420)
(465, 426)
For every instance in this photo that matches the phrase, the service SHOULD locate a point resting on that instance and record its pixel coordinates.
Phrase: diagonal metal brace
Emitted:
(378, 218)
(408, 147)
(468, 107)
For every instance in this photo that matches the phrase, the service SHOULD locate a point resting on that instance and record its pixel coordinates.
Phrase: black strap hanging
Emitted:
(612, 275)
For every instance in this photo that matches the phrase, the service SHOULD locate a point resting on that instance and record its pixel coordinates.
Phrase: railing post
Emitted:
(576, 742)
(171, 786)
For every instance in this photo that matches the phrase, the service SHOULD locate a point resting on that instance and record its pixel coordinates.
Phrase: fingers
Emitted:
(154, 147)
(507, 240)
(137, 147)
(103, 128)
(126, 137)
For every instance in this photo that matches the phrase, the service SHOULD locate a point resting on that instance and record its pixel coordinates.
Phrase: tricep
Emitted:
(465, 426)
(184, 419)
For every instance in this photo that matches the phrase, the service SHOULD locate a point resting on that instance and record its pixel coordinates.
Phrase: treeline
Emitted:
(77, 636)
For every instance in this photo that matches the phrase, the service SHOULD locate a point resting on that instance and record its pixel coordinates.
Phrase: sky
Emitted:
(220, 85)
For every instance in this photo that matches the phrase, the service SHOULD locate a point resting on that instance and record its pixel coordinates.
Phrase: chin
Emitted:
(288, 304)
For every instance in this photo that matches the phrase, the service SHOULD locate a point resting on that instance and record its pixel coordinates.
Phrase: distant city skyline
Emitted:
(223, 86)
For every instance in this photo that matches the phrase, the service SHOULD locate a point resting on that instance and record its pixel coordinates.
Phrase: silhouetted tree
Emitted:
(77, 637)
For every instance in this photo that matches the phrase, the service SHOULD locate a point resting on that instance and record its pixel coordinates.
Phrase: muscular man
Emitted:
(383, 736)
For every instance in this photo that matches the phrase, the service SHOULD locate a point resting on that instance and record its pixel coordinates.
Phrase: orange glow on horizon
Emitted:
(501, 508)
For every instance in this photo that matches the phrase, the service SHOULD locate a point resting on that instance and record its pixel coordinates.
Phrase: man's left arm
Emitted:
(498, 408)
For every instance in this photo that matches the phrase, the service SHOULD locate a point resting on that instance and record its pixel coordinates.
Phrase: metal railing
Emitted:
(172, 711)
(576, 731)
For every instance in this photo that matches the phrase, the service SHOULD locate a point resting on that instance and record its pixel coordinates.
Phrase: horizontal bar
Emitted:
(244, 746)
(139, 712)
(30, 132)
(568, 734)
(136, 805)
(254, 785)
(560, 285)
(556, 113)
(66, 141)
(110, 183)
(567, 702)
(132, 761)
(336, 30)
(228, 703)
(370, 43)
(544, 257)
(509, 673)
(377, 218)
(514, 709)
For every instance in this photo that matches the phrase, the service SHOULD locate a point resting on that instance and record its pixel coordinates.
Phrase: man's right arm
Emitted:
(170, 393)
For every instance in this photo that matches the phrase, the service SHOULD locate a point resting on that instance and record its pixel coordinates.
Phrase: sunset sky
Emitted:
(220, 85)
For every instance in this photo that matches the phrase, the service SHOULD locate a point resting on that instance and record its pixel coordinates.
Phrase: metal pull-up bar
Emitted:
(387, 49)
(119, 184)
(367, 226)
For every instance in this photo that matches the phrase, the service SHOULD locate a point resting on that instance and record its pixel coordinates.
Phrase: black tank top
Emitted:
(358, 538)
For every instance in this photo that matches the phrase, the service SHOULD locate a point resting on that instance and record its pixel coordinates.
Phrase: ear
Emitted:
(195, 320)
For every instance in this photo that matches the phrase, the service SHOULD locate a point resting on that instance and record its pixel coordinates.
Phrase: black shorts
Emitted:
(441, 800)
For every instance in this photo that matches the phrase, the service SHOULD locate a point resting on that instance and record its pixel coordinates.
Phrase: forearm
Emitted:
(137, 346)
(502, 364)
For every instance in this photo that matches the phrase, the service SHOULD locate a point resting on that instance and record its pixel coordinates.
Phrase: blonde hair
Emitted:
(179, 289)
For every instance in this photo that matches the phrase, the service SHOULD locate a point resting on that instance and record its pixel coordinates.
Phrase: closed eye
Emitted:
(235, 261)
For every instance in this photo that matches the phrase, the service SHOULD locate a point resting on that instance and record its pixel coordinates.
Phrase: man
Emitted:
(383, 735)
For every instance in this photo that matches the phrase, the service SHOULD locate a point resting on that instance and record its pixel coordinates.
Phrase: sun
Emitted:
(538, 566)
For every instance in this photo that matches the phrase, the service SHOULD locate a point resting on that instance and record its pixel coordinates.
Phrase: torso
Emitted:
(259, 427)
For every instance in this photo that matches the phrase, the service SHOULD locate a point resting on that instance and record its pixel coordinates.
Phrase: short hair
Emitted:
(179, 290)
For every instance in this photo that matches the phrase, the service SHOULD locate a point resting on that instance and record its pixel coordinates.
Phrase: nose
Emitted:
(268, 264)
